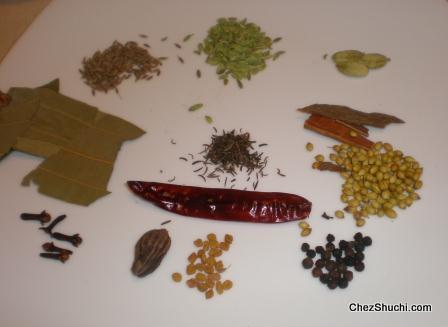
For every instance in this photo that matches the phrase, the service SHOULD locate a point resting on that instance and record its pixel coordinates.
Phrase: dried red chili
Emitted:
(224, 204)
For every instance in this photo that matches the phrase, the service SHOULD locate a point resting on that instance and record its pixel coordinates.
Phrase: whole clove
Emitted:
(50, 247)
(48, 229)
(74, 239)
(62, 257)
(43, 217)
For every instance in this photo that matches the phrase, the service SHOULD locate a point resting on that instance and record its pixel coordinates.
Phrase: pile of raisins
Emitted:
(333, 266)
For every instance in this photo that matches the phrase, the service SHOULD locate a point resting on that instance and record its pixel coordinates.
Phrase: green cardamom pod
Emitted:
(374, 60)
(347, 55)
(353, 68)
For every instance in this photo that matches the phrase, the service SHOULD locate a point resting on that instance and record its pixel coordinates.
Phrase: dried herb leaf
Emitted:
(350, 115)
(278, 54)
(79, 142)
(208, 119)
(195, 107)
(277, 39)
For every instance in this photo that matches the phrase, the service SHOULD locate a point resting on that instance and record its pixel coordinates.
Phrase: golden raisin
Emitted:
(192, 257)
(177, 277)
(219, 287)
(198, 242)
(210, 261)
(211, 237)
(191, 269)
(200, 277)
(199, 266)
(209, 269)
(202, 287)
(227, 285)
(214, 276)
(214, 244)
(224, 246)
(215, 252)
(228, 238)
(191, 283)
(206, 245)
(209, 294)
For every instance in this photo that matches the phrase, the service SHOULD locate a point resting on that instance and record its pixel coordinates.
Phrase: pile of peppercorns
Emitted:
(332, 268)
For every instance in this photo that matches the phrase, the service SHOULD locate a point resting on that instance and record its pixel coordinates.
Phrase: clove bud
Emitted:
(43, 217)
(62, 257)
(48, 229)
(50, 247)
(75, 239)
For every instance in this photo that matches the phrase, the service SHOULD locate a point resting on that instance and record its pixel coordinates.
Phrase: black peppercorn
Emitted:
(359, 266)
(305, 247)
(320, 263)
(316, 272)
(342, 267)
(320, 249)
(311, 253)
(359, 256)
(367, 241)
(330, 246)
(337, 253)
(349, 261)
(330, 238)
(332, 284)
(307, 263)
(358, 236)
(326, 255)
(335, 274)
(331, 265)
(343, 283)
(324, 278)
(343, 244)
(348, 275)
(359, 247)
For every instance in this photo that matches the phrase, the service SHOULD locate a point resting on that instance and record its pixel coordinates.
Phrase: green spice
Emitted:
(195, 107)
(186, 38)
(356, 63)
(237, 48)
(277, 54)
(277, 39)
(208, 119)
(105, 70)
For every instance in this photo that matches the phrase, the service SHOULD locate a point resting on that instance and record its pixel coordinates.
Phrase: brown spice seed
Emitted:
(227, 285)
(228, 238)
(191, 283)
(191, 269)
(177, 277)
(224, 246)
(192, 257)
(219, 287)
(209, 294)
(211, 237)
(202, 287)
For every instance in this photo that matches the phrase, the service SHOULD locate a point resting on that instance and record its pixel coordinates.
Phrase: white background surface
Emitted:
(407, 262)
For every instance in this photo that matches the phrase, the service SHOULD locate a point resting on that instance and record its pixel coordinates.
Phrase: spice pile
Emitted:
(376, 180)
(239, 49)
(52, 251)
(230, 153)
(332, 268)
(206, 267)
(105, 70)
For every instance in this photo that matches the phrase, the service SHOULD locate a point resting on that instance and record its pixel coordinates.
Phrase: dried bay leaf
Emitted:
(350, 115)
(80, 143)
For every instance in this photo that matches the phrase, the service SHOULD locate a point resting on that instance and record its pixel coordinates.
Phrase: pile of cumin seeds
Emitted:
(227, 156)
(105, 70)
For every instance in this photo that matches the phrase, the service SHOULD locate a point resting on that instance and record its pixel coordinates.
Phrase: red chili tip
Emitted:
(135, 186)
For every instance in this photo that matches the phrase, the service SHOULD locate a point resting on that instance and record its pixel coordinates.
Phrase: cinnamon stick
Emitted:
(337, 130)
